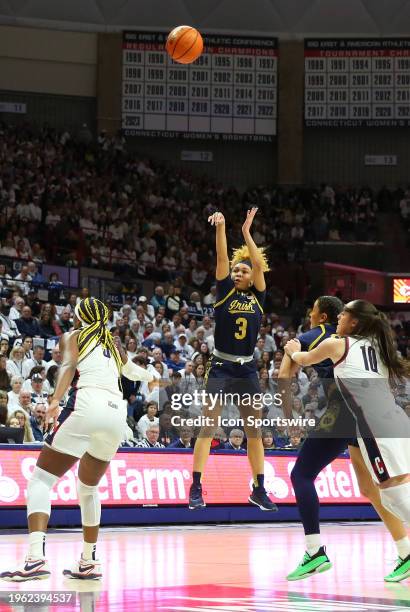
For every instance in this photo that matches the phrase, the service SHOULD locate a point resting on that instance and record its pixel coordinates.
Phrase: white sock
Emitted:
(37, 540)
(313, 543)
(403, 547)
(89, 551)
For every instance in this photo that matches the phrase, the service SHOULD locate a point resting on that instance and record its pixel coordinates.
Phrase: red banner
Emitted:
(150, 478)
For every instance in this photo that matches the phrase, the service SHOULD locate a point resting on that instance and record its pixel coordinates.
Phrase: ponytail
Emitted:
(374, 324)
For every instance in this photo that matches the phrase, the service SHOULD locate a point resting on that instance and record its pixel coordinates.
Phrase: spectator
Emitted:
(27, 325)
(3, 409)
(4, 377)
(56, 358)
(13, 422)
(65, 322)
(186, 438)
(51, 378)
(23, 279)
(167, 432)
(158, 299)
(14, 364)
(38, 422)
(236, 438)
(24, 421)
(210, 298)
(25, 401)
(36, 361)
(15, 311)
(181, 344)
(28, 347)
(8, 326)
(4, 347)
(16, 384)
(148, 418)
(38, 386)
(48, 326)
(267, 440)
(151, 437)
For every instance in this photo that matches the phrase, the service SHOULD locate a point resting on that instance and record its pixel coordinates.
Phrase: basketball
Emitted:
(184, 44)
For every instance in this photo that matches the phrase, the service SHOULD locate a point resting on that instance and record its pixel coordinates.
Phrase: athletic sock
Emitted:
(89, 551)
(196, 478)
(260, 480)
(313, 543)
(37, 544)
(403, 547)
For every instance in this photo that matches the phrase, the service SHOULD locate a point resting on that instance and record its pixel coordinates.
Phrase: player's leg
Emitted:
(201, 453)
(51, 465)
(369, 489)
(90, 472)
(315, 454)
(256, 457)
(216, 376)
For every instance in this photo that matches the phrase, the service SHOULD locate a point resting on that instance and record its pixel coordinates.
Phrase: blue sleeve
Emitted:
(260, 295)
(223, 287)
(308, 337)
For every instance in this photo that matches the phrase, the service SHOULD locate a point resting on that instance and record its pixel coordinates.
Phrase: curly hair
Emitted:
(242, 253)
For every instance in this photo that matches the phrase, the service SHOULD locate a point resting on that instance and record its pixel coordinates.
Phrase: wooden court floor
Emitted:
(226, 568)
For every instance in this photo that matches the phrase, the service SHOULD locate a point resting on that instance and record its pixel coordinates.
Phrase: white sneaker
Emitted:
(32, 569)
(84, 570)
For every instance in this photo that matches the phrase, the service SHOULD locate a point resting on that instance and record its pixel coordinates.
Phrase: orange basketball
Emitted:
(184, 44)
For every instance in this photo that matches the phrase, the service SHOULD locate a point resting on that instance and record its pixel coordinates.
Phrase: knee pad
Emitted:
(397, 500)
(90, 504)
(38, 491)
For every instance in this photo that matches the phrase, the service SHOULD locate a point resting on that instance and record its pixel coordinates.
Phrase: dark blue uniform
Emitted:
(321, 446)
(238, 316)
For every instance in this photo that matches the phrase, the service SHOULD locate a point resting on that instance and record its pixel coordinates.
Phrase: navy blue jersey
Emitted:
(310, 340)
(238, 316)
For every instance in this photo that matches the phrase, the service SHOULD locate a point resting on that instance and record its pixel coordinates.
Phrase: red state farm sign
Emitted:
(150, 478)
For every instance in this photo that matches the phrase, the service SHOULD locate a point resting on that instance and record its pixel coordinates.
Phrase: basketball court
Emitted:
(227, 568)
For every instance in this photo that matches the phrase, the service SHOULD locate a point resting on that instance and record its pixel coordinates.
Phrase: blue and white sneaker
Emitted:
(260, 498)
(196, 500)
(31, 569)
(84, 570)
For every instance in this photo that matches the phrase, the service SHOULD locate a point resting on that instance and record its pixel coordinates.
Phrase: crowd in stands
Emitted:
(172, 335)
(76, 201)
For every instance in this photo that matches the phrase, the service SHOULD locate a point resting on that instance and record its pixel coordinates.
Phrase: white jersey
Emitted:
(363, 380)
(361, 360)
(98, 369)
(383, 427)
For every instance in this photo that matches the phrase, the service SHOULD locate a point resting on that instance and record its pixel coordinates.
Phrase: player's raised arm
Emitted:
(222, 260)
(129, 369)
(257, 260)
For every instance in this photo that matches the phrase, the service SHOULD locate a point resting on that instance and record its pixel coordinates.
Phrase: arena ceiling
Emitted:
(284, 18)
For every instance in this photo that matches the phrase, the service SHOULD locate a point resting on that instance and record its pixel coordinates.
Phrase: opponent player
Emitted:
(90, 428)
(324, 444)
(366, 351)
(231, 368)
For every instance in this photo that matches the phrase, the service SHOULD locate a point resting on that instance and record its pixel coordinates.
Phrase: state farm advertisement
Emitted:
(149, 478)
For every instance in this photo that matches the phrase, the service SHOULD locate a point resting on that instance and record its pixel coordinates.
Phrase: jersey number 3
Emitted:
(369, 358)
(242, 325)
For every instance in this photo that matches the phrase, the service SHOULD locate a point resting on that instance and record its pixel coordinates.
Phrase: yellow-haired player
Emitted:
(240, 294)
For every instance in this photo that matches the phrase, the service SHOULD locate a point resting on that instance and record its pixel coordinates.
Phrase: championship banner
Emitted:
(139, 478)
(357, 82)
(228, 93)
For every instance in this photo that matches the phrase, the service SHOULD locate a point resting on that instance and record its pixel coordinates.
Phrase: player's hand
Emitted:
(216, 219)
(292, 346)
(52, 412)
(250, 215)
